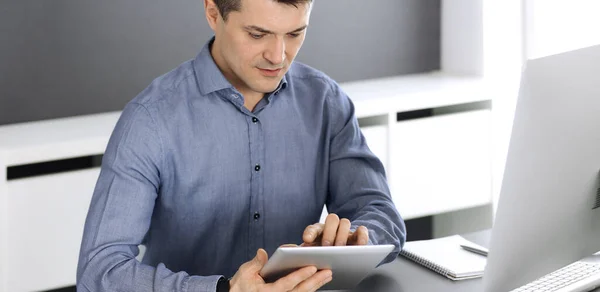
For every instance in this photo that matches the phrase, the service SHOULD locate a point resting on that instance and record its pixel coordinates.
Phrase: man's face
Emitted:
(256, 45)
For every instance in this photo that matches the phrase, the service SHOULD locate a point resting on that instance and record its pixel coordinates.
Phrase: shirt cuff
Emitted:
(201, 284)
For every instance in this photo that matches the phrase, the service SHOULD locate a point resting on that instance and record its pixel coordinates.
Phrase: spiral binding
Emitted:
(426, 263)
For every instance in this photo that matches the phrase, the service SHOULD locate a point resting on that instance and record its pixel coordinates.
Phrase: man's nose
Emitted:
(275, 53)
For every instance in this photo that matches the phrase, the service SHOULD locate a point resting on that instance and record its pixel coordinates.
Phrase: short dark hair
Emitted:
(226, 6)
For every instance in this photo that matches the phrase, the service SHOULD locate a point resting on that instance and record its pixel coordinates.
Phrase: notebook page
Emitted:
(447, 253)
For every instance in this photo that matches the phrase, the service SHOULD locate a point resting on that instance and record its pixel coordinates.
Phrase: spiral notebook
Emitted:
(445, 256)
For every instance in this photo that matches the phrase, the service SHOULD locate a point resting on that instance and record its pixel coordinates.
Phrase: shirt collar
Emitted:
(211, 79)
(282, 86)
(209, 76)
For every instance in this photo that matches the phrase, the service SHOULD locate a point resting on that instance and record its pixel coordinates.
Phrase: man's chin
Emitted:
(264, 88)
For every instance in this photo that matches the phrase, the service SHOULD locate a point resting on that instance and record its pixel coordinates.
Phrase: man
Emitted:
(229, 156)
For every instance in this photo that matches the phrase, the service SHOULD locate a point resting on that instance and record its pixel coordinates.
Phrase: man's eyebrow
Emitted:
(259, 29)
(299, 29)
(262, 30)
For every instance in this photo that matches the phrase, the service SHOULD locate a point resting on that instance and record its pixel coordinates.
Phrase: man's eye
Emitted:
(294, 35)
(256, 36)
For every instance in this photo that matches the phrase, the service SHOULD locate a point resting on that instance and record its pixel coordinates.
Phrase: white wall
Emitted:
(556, 26)
(519, 30)
(503, 59)
(485, 37)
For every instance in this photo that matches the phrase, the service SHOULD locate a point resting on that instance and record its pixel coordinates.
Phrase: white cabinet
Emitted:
(434, 164)
(42, 217)
(441, 163)
(46, 216)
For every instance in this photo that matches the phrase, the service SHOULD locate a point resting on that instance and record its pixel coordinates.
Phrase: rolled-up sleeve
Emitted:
(358, 188)
(120, 214)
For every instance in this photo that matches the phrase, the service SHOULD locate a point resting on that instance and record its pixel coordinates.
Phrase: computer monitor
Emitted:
(547, 216)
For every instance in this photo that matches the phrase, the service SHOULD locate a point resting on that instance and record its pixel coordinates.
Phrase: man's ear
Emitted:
(212, 13)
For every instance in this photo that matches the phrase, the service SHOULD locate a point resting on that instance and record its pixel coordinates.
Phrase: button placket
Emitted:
(256, 199)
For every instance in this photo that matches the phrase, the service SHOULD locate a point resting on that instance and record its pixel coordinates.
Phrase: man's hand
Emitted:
(247, 278)
(334, 232)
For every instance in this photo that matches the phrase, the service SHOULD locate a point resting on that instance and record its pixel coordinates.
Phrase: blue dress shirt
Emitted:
(203, 182)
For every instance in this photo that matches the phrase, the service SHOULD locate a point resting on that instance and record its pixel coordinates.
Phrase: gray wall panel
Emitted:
(71, 57)
(352, 40)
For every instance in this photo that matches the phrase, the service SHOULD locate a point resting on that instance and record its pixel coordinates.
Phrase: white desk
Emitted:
(435, 164)
(403, 275)
(409, 276)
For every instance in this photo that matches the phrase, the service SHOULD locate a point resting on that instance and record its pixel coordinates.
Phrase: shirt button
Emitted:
(254, 120)
(234, 96)
(257, 167)
(256, 216)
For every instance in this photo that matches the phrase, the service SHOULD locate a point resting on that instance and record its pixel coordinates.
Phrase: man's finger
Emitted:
(342, 232)
(360, 236)
(259, 260)
(312, 233)
(256, 264)
(331, 226)
(292, 280)
(289, 245)
(315, 282)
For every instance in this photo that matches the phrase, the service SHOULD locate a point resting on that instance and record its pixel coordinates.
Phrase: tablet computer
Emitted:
(349, 264)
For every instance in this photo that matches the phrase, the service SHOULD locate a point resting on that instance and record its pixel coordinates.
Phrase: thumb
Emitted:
(260, 259)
